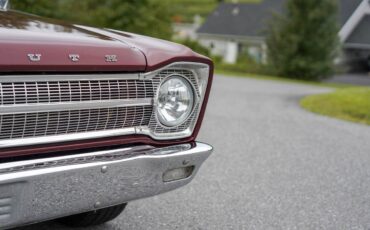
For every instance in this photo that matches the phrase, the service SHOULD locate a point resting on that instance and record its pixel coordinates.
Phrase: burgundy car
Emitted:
(91, 119)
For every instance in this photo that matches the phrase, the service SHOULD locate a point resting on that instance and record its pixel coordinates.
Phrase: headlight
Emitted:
(175, 101)
(179, 91)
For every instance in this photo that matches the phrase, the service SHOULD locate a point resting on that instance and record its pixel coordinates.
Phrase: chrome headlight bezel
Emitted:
(197, 74)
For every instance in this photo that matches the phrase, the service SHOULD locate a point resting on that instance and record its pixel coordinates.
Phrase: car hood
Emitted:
(23, 36)
(63, 47)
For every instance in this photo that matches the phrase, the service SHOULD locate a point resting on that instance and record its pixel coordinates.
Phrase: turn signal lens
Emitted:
(178, 174)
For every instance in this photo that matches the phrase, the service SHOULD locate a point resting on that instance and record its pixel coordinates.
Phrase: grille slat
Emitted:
(75, 121)
(13, 93)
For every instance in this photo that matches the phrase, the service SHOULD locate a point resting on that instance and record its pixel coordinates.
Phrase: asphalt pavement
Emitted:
(360, 79)
(275, 166)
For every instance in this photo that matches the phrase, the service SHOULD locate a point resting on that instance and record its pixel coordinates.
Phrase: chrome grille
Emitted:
(75, 121)
(40, 109)
(73, 91)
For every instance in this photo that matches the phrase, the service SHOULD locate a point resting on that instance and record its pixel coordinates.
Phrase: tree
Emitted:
(149, 17)
(303, 42)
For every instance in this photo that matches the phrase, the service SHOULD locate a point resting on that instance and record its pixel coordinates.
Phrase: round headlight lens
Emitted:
(175, 101)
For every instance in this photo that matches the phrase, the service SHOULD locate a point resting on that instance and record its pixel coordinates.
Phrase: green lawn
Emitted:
(352, 104)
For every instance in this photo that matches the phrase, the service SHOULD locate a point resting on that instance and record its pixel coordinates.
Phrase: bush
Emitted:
(244, 64)
(303, 43)
(195, 46)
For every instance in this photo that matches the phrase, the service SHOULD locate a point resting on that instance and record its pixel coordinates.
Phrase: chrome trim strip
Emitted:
(145, 130)
(66, 77)
(175, 65)
(91, 180)
(66, 137)
(66, 106)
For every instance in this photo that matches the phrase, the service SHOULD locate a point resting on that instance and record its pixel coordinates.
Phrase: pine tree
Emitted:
(303, 42)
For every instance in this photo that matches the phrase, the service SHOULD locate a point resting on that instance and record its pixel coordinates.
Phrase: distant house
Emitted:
(234, 29)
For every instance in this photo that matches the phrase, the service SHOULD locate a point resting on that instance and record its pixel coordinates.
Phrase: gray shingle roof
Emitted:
(249, 19)
(361, 34)
(346, 9)
(243, 19)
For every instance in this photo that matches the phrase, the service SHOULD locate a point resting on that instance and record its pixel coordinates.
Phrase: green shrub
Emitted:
(303, 43)
(244, 64)
(195, 46)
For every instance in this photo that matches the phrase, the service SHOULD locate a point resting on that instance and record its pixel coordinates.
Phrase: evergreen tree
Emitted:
(303, 42)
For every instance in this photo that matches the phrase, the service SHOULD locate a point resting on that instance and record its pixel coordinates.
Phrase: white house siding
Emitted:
(229, 49)
(232, 52)
(217, 46)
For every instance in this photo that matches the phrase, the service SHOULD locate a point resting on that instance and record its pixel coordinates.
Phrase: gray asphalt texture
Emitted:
(275, 166)
(361, 79)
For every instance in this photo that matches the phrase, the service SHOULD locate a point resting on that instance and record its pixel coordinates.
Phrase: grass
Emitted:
(274, 78)
(352, 104)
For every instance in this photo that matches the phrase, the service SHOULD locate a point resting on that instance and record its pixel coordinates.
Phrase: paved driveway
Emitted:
(275, 166)
(361, 79)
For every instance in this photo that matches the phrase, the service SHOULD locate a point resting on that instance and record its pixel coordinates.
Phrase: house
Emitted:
(238, 28)
(355, 33)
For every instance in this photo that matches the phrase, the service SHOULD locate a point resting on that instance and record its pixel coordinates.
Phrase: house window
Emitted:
(252, 52)
(255, 53)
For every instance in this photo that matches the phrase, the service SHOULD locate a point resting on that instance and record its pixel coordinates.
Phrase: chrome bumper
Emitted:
(38, 190)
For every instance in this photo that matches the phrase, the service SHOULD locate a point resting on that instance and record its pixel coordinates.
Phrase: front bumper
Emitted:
(38, 190)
